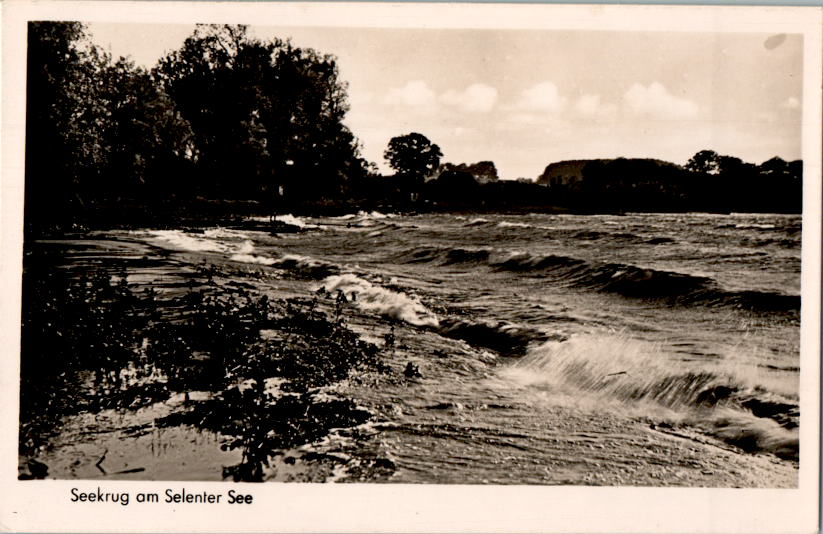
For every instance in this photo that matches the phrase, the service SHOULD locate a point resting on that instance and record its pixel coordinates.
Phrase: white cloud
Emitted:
(542, 97)
(790, 103)
(415, 93)
(476, 98)
(592, 106)
(657, 102)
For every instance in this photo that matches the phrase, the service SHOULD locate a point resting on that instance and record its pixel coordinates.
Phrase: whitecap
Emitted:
(369, 297)
(251, 258)
(506, 224)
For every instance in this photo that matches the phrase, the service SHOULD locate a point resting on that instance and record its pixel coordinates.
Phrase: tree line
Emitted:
(707, 182)
(229, 123)
(226, 117)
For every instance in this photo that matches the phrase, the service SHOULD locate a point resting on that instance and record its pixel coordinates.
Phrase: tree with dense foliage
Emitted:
(704, 162)
(56, 120)
(454, 187)
(265, 115)
(147, 142)
(483, 171)
(727, 183)
(413, 156)
(98, 131)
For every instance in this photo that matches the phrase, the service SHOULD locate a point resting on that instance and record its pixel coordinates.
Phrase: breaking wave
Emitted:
(755, 226)
(728, 399)
(295, 221)
(251, 258)
(507, 224)
(207, 241)
(364, 215)
(374, 298)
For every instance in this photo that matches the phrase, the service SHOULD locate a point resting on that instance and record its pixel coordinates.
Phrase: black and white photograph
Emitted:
(448, 254)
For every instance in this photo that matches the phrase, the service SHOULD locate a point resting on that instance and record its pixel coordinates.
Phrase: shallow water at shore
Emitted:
(642, 349)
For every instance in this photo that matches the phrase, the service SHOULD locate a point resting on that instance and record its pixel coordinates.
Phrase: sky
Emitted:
(527, 98)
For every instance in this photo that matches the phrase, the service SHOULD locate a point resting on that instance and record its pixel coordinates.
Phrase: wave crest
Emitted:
(374, 298)
(723, 400)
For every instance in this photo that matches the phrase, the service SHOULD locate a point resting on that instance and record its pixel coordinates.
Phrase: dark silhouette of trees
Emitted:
(147, 142)
(483, 171)
(413, 156)
(58, 84)
(727, 183)
(265, 115)
(708, 182)
(224, 117)
(453, 187)
(704, 162)
(228, 121)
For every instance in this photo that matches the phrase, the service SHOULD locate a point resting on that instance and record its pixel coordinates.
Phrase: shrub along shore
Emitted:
(94, 341)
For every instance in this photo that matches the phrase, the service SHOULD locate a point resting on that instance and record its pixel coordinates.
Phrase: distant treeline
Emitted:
(708, 182)
(233, 124)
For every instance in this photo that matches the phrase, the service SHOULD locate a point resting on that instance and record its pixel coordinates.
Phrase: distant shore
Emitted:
(237, 213)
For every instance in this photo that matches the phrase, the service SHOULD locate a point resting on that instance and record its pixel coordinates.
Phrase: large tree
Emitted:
(704, 162)
(264, 114)
(59, 118)
(147, 143)
(97, 130)
(413, 156)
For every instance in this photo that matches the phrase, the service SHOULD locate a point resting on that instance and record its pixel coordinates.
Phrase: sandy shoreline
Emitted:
(402, 435)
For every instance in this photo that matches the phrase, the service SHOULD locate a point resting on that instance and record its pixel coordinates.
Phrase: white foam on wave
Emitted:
(251, 258)
(507, 224)
(375, 215)
(373, 298)
(754, 225)
(365, 215)
(585, 360)
(213, 240)
(193, 243)
(295, 221)
(225, 233)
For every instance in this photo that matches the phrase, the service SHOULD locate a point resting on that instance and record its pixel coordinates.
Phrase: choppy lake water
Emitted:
(562, 322)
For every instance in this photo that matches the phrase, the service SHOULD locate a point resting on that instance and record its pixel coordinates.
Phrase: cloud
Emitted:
(592, 106)
(416, 94)
(791, 103)
(655, 101)
(476, 98)
(542, 97)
